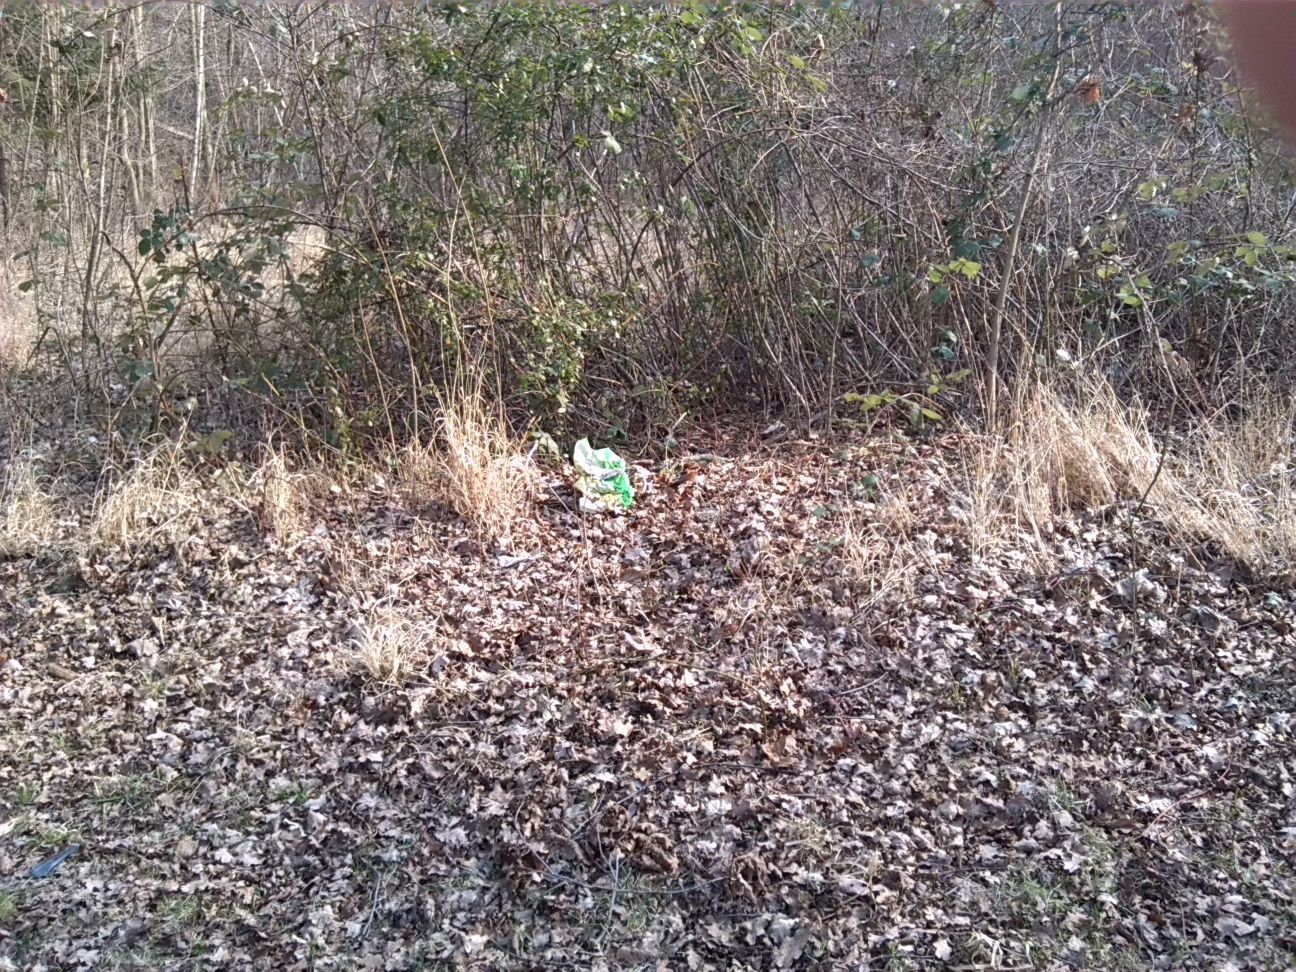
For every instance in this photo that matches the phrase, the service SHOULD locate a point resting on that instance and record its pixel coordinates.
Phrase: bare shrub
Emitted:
(18, 327)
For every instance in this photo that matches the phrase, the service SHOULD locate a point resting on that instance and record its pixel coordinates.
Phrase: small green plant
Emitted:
(180, 909)
(913, 407)
(25, 794)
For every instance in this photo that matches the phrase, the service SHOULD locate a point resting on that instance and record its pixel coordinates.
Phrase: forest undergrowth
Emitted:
(951, 623)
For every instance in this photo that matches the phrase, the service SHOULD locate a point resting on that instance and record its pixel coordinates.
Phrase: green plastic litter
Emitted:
(603, 481)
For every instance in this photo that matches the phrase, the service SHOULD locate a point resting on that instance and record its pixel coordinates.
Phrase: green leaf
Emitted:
(1257, 239)
(931, 415)
(1147, 191)
(940, 296)
(211, 445)
(867, 403)
(26, 285)
(611, 144)
(797, 61)
(1023, 91)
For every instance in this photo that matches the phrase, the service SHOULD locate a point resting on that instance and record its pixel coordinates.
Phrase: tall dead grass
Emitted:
(1235, 485)
(283, 498)
(28, 513)
(881, 560)
(156, 500)
(474, 467)
(18, 319)
(1227, 481)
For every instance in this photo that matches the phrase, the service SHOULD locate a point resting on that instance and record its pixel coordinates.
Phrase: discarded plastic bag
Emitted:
(604, 484)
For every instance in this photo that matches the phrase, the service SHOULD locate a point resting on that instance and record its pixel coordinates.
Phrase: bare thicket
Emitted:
(805, 204)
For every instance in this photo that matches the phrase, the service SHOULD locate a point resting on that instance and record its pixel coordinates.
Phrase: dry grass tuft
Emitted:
(284, 500)
(881, 560)
(1083, 453)
(983, 506)
(19, 327)
(1235, 485)
(475, 468)
(1229, 483)
(391, 647)
(156, 501)
(28, 513)
(1065, 454)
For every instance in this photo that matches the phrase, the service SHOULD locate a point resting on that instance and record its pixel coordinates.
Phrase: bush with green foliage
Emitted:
(620, 211)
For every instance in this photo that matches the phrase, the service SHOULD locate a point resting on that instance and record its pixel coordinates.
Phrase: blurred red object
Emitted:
(1264, 46)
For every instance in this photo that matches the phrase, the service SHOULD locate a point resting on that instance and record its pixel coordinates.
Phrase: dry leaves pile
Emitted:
(785, 716)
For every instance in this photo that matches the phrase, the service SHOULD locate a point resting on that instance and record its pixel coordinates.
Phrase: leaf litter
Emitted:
(783, 715)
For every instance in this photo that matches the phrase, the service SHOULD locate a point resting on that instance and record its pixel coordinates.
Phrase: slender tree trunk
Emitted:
(1014, 235)
(197, 21)
(4, 185)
